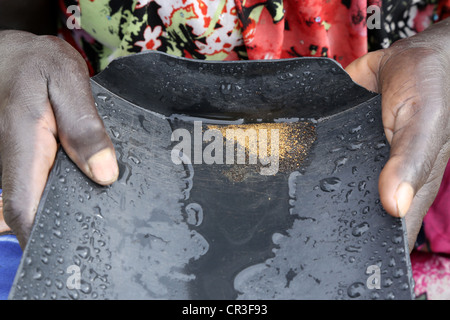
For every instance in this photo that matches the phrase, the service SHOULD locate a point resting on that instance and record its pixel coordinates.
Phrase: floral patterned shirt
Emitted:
(243, 29)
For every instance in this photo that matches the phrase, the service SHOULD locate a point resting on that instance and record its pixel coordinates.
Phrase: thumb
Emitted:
(27, 153)
(415, 120)
(364, 70)
(80, 128)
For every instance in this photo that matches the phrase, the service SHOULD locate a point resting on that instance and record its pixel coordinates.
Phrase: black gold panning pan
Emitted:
(183, 221)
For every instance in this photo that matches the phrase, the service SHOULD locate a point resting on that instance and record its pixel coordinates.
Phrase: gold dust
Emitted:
(294, 142)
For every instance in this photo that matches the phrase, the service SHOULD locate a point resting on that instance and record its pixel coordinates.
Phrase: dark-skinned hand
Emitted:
(413, 76)
(45, 99)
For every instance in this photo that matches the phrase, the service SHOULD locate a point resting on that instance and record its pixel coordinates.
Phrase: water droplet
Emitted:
(37, 274)
(360, 229)
(79, 216)
(355, 129)
(388, 282)
(292, 184)
(340, 162)
(353, 248)
(226, 88)
(133, 157)
(356, 290)
(330, 184)
(171, 62)
(85, 287)
(397, 239)
(98, 212)
(59, 284)
(103, 97)
(375, 295)
(115, 132)
(77, 260)
(398, 273)
(44, 259)
(57, 233)
(362, 185)
(390, 296)
(48, 282)
(404, 286)
(194, 214)
(337, 149)
(83, 252)
(285, 76)
(355, 146)
(73, 294)
(348, 194)
(380, 145)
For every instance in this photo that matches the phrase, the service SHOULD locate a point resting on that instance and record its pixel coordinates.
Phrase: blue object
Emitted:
(10, 255)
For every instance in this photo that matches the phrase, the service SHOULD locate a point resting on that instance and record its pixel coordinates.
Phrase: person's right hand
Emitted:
(45, 98)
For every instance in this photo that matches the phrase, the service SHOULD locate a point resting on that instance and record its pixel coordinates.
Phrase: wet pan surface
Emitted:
(177, 225)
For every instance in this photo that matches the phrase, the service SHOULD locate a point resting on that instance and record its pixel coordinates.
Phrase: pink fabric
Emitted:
(437, 220)
(431, 273)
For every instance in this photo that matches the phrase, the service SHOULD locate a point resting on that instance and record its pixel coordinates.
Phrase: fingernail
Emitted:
(404, 197)
(103, 166)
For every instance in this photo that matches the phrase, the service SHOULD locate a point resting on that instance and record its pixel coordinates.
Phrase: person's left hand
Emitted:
(413, 77)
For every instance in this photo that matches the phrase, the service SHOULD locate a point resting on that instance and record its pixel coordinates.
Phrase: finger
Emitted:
(364, 70)
(27, 158)
(80, 128)
(415, 121)
(423, 200)
(3, 226)
(413, 155)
